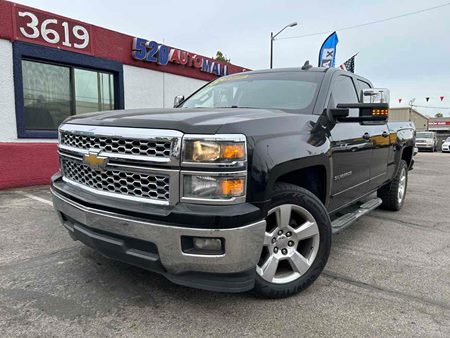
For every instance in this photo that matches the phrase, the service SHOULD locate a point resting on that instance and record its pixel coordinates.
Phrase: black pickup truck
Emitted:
(241, 185)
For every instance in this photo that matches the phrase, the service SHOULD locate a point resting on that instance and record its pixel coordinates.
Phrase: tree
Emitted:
(221, 57)
(439, 115)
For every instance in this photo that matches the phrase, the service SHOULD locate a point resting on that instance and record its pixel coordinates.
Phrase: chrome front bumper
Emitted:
(424, 146)
(242, 244)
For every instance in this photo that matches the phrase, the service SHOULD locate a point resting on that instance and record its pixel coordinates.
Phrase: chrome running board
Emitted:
(345, 220)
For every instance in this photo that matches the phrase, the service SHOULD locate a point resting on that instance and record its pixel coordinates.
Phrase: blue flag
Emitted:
(327, 52)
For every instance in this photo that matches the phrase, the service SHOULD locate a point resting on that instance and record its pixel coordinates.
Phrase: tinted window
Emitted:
(291, 91)
(53, 92)
(363, 84)
(94, 91)
(343, 91)
(424, 135)
(46, 95)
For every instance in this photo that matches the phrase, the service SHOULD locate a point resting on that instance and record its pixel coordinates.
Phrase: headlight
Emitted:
(214, 149)
(213, 187)
(225, 151)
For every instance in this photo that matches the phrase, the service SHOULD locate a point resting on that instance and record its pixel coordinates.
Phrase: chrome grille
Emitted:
(118, 145)
(133, 184)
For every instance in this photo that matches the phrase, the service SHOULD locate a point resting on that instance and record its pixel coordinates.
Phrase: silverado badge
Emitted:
(94, 161)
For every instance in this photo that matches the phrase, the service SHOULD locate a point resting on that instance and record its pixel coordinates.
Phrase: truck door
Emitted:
(351, 148)
(381, 143)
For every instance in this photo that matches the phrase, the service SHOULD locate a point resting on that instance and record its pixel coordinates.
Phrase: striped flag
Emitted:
(349, 64)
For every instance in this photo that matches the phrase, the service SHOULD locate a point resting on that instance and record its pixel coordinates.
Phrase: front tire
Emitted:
(297, 242)
(394, 193)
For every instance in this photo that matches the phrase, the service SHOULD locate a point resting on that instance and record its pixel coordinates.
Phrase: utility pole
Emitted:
(272, 38)
(410, 108)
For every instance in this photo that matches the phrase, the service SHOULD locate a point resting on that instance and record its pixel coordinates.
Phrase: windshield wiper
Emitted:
(235, 106)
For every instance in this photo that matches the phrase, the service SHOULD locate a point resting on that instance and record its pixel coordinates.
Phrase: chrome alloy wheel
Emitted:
(401, 186)
(291, 243)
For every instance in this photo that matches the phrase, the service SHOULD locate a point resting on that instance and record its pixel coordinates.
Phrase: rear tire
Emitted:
(297, 242)
(394, 193)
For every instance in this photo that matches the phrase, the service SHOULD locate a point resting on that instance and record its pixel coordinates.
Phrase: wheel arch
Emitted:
(304, 173)
(407, 155)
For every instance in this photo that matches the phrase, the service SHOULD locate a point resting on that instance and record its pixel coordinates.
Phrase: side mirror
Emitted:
(177, 100)
(339, 114)
(367, 112)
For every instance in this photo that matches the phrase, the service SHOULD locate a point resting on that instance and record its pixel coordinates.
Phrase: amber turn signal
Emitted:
(232, 187)
(380, 112)
(233, 151)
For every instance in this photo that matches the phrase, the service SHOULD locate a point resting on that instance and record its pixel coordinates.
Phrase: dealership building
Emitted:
(409, 114)
(441, 126)
(52, 67)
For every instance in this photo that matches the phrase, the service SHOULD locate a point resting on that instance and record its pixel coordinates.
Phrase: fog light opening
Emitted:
(202, 245)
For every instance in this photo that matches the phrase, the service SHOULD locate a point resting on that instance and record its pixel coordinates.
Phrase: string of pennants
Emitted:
(426, 99)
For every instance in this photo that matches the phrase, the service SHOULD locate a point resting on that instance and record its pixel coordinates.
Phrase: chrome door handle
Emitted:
(366, 136)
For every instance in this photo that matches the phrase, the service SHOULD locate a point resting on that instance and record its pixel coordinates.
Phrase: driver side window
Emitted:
(343, 91)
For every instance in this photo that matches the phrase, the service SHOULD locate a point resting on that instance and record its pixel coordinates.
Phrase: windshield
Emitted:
(424, 135)
(291, 91)
(447, 140)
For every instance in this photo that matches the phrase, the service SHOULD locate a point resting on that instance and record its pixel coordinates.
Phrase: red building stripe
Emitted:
(24, 164)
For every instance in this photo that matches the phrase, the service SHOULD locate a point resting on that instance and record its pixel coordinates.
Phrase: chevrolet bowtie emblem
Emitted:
(94, 160)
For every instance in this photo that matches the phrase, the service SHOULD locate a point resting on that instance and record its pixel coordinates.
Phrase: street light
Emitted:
(272, 37)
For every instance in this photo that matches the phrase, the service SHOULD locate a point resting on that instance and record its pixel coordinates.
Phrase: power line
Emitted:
(367, 23)
(415, 105)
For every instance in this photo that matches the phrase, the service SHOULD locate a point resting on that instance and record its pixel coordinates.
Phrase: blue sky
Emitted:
(410, 55)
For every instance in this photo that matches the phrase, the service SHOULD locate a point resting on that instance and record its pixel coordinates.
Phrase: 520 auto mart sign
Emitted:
(151, 51)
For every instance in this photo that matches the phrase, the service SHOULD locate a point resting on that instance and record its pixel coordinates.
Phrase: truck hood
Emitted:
(193, 121)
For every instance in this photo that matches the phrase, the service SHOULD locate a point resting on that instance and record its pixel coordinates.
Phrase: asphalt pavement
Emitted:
(388, 275)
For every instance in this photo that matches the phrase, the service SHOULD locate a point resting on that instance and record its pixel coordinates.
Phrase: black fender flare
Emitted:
(297, 164)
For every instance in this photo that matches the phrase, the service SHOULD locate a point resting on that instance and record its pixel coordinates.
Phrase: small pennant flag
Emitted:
(427, 98)
(441, 98)
(349, 64)
(399, 100)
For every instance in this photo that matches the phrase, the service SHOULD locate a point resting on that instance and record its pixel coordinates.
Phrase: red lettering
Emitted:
(174, 56)
(198, 61)
(184, 57)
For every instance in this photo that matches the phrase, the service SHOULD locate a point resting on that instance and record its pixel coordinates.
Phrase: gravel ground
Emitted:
(388, 275)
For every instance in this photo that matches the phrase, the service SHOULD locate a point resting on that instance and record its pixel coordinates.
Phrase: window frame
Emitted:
(35, 53)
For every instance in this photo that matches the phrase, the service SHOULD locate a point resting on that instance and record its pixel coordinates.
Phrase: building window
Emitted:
(94, 91)
(51, 84)
(52, 92)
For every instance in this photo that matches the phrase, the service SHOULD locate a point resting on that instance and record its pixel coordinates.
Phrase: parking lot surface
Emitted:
(388, 275)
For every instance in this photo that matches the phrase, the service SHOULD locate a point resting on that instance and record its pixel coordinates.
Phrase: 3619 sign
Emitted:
(50, 30)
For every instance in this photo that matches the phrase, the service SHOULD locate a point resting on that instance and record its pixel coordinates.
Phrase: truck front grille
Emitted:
(140, 164)
(118, 145)
(120, 182)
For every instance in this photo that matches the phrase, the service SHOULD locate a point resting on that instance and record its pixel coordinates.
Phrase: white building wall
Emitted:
(143, 87)
(146, 88)
(179, 85)
(8, 129)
